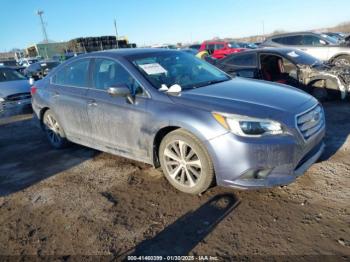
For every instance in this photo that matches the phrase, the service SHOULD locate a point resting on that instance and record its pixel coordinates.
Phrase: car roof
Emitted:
(294, 33)
(124, 52)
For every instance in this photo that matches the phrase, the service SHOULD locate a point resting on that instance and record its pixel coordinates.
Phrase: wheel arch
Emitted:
(200, 132)
(41, 115)
(333, 58)
(161, 133)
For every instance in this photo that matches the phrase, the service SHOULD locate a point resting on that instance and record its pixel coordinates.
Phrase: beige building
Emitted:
(46, 50)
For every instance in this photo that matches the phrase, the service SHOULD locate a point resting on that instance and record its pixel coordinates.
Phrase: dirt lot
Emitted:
(80, 201)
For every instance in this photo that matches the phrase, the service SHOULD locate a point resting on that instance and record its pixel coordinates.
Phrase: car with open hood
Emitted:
(291, 67)
(173, 110)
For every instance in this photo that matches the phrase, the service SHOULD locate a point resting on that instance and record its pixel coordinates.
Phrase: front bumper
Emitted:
(284, 158)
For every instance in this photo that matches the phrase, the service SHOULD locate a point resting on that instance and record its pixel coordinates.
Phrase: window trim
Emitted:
(144, 94)
(278, 55)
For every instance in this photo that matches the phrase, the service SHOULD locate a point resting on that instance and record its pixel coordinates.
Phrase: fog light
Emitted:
(256, 174)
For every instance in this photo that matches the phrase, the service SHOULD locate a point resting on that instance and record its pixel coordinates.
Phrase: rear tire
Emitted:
(54, 131)
(185, 162)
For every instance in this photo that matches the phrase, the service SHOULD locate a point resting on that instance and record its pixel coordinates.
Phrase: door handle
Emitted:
(92, 102)
(56, 94)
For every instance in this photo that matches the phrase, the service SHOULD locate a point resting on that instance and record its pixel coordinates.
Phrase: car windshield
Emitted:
(302, 58)
(330, 39)
(173, 67)
(7, 74)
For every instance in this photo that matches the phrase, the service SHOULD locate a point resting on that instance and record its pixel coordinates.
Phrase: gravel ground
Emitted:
(78, 201)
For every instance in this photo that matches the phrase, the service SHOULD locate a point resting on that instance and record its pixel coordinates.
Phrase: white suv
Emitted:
(320, 46)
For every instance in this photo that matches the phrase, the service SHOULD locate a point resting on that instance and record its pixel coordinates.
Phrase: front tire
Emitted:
(54, 130)
(185, 162)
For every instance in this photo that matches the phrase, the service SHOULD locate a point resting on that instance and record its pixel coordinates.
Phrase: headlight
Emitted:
(248, 126)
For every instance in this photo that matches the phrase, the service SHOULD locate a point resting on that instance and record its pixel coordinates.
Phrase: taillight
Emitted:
(33, 90)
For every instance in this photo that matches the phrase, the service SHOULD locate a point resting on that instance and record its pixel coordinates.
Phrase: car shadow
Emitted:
(185, 233)
(26, 157)
(337, 115)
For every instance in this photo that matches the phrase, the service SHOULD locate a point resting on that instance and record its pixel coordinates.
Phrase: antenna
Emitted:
(40, 14)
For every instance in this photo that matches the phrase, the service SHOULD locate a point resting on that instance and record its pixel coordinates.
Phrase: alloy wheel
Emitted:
(52, 129)
(182, 163)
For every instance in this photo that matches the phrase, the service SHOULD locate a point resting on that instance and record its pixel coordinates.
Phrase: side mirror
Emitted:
(122, 91)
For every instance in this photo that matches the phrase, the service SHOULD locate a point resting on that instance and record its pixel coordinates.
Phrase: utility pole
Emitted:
(263, 28)
(40, 14)
(116, 32)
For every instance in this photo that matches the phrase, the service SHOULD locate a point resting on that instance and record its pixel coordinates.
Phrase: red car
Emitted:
(220, 49)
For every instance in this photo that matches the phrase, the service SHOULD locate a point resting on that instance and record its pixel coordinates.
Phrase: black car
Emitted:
(39, 70)
(291, 67)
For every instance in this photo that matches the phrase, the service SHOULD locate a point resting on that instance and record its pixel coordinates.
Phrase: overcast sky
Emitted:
(162, 21)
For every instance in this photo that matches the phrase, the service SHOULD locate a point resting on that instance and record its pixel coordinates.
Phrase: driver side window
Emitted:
(109, 73)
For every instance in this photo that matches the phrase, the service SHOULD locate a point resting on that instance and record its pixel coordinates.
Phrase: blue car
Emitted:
(14, 92)
(171, 109)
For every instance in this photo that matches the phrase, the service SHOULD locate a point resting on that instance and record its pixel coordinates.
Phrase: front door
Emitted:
(315, 46)
(117, 123)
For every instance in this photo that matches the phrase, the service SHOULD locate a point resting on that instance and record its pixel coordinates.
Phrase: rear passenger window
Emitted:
(289, 40)
(73, 74)
(243, 60)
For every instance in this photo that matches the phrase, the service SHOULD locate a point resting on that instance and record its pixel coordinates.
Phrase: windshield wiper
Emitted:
(211, 82)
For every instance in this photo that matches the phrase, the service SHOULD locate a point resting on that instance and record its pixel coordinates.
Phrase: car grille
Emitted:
(311, 122)
(17, 97)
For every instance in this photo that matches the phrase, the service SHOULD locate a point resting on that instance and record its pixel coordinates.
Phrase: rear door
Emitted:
(68, 93)
(117, 124)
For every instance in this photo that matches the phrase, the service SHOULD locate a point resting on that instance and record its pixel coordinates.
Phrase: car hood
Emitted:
(247, 97)
(14, 87)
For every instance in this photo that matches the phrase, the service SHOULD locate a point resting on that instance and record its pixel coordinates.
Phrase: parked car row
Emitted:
(316, 63)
